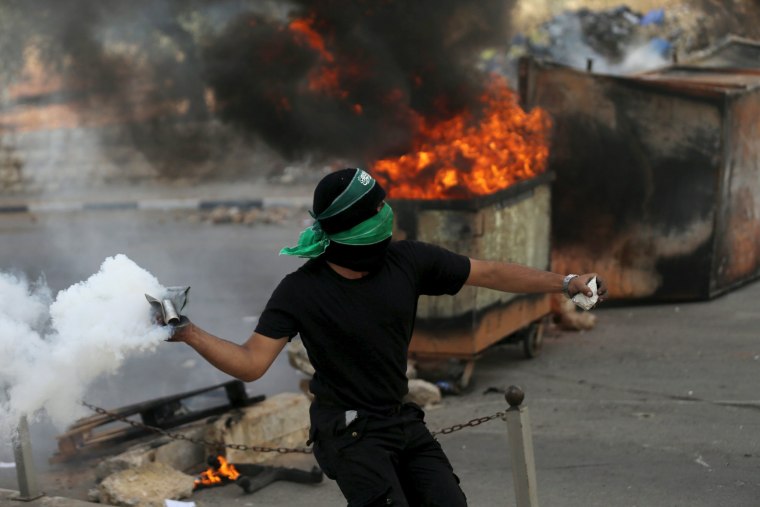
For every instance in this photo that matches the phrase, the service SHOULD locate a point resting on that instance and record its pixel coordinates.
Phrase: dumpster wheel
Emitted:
(533, 340)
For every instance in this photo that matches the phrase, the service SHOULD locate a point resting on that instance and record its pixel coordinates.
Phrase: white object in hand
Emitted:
(583, 301)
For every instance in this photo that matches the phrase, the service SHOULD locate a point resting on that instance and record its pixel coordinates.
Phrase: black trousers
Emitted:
(384, 459)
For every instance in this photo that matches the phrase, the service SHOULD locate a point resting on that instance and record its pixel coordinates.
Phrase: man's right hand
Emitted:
(178, 332)
(181, 333)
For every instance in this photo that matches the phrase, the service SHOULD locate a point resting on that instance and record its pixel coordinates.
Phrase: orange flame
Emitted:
(225, 472)
(324, 78)
(466, 156)
(304, 27)
(327, 76)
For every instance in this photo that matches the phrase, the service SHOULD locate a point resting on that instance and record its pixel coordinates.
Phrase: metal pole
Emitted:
(521, 449)
(27, 476)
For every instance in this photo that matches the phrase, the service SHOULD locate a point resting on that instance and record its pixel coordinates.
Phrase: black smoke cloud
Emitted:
(396, 60)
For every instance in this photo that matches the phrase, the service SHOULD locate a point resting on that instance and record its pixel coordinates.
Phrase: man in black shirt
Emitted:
(354, 304)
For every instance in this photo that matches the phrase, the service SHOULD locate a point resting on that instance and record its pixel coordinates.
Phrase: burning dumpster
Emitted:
(512, 224)
(476, 184)
(666, 168)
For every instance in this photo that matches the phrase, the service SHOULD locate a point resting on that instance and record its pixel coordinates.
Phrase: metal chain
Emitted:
(469, 424)
(199, 441)
(255, 448)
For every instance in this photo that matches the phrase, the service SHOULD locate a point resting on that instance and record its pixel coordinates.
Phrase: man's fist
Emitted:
(579, 284)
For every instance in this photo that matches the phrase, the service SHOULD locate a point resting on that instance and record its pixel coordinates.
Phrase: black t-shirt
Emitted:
(357, 332)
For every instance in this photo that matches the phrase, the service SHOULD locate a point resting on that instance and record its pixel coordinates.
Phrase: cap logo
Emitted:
(364, 178)
(361, 183)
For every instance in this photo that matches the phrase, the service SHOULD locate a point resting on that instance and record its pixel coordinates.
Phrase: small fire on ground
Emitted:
(219, 473)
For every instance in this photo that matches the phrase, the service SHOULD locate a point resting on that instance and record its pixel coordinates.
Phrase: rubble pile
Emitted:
(610, 38)
(10, 169)
(276, 215)
(145, 486)
(609, 33)
(622, 40)
(161, 468)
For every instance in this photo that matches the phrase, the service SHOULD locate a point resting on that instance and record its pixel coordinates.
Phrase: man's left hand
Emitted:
(580, 284)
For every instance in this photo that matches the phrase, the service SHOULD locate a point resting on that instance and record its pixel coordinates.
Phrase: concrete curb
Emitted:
(7, 498)
(162, 204)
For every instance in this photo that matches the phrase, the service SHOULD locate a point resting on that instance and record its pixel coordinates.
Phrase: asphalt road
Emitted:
(656, 406)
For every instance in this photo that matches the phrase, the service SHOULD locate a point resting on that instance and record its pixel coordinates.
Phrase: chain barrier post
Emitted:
(25, 472)
(521, 449)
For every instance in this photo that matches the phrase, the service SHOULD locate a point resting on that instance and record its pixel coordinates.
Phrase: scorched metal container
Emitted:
(657, 174)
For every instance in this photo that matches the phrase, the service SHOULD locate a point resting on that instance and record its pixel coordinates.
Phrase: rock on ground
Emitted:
(179, 454)
(279, 421)
(423, 393)
(145, 486)
(298, 358)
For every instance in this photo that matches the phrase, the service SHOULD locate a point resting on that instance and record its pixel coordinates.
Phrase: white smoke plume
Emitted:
(52, 351)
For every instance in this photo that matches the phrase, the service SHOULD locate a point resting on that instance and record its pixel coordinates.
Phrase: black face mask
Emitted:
(358, 258)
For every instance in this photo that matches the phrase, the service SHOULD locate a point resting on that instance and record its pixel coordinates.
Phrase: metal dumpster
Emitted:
(512, 225)
(657, 174)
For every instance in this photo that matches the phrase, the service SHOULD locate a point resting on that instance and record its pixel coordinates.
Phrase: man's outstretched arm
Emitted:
(519, 279)
(247, 362)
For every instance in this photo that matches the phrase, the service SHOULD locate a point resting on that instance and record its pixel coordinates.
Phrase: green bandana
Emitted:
(314, 241)
(360, 185)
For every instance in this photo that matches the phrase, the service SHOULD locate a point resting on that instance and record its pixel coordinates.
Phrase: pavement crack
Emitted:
(581, 465)
(742, 404)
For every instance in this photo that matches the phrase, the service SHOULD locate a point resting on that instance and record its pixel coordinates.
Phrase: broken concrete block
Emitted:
(279, 421)
(252, 216)
(423, 393)
(145, 486)
(411, 369)
(179, 454)
(220, 215)
(93, 495)
(298, 358)
(134, 457)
